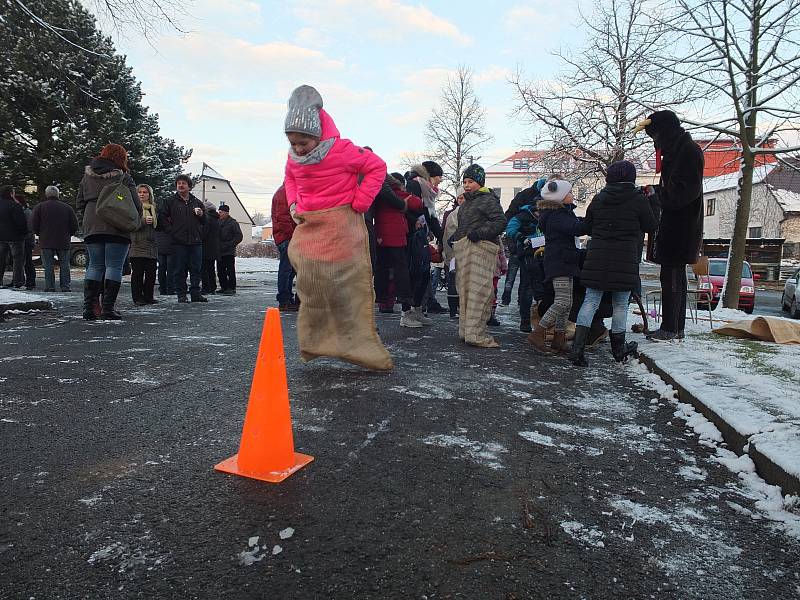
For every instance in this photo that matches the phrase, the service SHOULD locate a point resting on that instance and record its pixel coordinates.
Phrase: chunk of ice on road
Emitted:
(588, 535)
(286, 533)
(276, 550)
(253, 541)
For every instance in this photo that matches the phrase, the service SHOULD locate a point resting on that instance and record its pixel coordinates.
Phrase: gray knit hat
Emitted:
(302, 115)
(51, 191)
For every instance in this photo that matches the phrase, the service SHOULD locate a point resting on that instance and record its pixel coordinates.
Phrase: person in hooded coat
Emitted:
(616, 219)
(679, 236)
(106, 245)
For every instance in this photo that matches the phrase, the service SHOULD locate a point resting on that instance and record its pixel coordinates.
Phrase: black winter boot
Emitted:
(525, 325)
(619, 349)
(110, 292)
(577, 356)
(91, 294)
(199, 298)
(493, 322)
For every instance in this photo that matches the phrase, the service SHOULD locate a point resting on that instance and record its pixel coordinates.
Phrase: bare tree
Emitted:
(456, 129)
(259, 218)
(744, 56)
(584, 116)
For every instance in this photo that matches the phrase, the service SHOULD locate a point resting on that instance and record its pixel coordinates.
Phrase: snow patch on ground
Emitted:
(484, 453)
(589, 536)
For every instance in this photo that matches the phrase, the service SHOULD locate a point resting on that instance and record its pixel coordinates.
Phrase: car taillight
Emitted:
(746, 289)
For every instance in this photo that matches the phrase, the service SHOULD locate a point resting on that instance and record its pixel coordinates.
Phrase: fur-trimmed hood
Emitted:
(543, 204)
(102, 169)
(421, 171)
(393, 181)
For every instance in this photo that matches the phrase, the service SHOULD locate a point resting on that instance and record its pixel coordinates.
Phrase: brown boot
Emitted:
(559, 343)
(536, 337)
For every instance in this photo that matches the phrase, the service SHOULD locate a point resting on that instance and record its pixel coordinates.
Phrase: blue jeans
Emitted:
(17, 252)
(49, 270)
(187, 258)
(106, 260)
(591, 303)
(285, 275)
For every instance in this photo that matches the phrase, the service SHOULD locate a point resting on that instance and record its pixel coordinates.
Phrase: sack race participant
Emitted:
(480, 222)
(330, 247)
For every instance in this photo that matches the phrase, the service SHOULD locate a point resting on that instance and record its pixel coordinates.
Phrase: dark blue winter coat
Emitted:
(560, 226)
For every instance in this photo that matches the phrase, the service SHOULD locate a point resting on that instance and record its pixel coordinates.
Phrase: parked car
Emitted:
(77, 254)
(715, 280)
(790, 301)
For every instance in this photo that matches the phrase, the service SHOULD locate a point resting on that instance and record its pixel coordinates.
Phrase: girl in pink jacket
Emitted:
(324, 170)
(330, 182)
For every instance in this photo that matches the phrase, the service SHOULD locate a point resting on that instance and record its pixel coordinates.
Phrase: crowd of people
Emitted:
(399, 234)
(124, 227)
(354, 235)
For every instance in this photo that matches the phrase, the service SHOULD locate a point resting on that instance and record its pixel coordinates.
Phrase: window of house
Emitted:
(521, 164)
(754, 232)
(711, 206)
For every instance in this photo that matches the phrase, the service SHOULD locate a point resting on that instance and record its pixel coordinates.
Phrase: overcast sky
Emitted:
(379, 65)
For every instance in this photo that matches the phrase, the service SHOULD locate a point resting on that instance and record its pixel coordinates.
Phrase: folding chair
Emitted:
(694, 296)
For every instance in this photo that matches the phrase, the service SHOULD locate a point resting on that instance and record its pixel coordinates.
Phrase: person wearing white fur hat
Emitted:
(560, 226)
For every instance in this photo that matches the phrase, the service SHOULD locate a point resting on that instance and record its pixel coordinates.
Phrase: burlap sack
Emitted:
(766, 329)
(330, 252)
(475, 265)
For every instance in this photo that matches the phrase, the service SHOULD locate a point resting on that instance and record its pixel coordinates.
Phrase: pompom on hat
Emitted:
(302, 115)
(476, 173)
(556, 189)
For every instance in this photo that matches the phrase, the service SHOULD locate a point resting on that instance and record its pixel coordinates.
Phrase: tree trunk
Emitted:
(739, 239)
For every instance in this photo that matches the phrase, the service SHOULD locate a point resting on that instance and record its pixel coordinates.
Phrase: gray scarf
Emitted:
(316, 156)
(429, 195)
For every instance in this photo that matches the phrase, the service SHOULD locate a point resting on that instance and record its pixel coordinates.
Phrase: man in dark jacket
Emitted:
(184, 217)
(210, 250)
(521, 232)
(230, 236)
(679, 236)
(13, 229)
(282, 230)
(55, 223)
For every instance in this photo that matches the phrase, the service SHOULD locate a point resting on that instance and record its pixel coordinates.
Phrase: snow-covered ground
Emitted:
(9, 296)
(256, 269)
(750, 385)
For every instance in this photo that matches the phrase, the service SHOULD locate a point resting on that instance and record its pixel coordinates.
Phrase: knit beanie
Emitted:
(662, 121)
(209, 206)
(620, 171)
(433, 169)
(116, 154)
(302, 114)
(51, 191)
(556, 189)
(476, 173)
(224, 208)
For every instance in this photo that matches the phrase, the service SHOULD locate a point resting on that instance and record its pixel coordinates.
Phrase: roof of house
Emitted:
(789, 201)
(731, 180)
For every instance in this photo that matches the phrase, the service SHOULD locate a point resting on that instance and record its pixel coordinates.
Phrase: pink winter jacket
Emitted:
(334, 181)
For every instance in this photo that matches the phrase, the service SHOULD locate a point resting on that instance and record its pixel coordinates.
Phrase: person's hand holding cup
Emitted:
(198, 212)
(148, 219)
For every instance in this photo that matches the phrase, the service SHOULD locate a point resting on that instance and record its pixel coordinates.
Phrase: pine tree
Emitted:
(64, 93)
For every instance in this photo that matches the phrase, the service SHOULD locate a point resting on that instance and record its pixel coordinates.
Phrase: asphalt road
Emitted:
(465, 473)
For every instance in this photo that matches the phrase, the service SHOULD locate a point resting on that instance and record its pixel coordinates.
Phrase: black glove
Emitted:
(473, 236)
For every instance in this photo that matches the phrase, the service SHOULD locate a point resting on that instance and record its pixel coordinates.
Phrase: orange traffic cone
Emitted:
(266, 451)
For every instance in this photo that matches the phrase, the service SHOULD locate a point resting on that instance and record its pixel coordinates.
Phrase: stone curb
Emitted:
(768, 470)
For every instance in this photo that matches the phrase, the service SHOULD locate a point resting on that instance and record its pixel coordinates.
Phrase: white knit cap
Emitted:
(302, 114)
(459, 191)
(556, 189)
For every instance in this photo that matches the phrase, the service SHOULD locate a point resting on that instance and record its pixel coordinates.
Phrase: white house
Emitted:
(215, 188)
(774, 208)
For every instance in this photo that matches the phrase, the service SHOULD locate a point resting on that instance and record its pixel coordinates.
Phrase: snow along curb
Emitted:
(769, 470)
(32, 305)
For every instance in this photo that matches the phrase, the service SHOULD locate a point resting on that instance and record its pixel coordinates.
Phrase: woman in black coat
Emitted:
(615, 219)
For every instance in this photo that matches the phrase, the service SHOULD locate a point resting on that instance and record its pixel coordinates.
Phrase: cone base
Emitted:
(231, 465)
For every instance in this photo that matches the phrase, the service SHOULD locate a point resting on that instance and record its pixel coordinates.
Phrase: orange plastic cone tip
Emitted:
(266, 450)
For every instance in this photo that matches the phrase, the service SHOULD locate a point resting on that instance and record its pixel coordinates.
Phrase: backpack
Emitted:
(115, 206)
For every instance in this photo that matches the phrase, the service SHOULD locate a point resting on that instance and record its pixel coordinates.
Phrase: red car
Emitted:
(716, 279)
